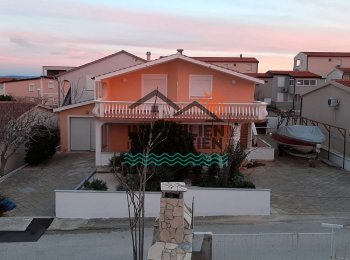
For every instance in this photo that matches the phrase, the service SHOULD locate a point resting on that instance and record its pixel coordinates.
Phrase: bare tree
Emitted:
(16, 122)
(136, 188)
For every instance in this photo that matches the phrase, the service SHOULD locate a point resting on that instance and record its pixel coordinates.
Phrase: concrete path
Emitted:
(296, 188)
(32, 188)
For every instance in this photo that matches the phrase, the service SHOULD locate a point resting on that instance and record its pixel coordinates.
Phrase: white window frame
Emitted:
(291, 82)
(154, 76)
(50, 84)
(31, 87)
(209, 77)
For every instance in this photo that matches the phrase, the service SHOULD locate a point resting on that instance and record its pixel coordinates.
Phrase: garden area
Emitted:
(167, 139)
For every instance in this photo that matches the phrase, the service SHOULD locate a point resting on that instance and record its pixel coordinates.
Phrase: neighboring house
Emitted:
(321, 63)
(2, 80)
(329, 104)
(12, 110)
(77, 85)
(42, 90)
(339, 73)
(284, 85)
(240, 64)
(103, 124)
(53, 71)
(263, 92)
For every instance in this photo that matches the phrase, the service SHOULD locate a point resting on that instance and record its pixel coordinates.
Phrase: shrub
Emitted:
(41, 145)
(6, 98)
(95, 184)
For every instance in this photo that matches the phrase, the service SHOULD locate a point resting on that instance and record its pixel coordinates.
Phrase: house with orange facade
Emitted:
(214, 103)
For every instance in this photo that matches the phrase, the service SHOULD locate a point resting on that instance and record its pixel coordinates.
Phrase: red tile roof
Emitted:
(226, 59)
(294, 73)
(6, 79)
(259, 75)
(345, 83)
(326, 54)
(345, 70)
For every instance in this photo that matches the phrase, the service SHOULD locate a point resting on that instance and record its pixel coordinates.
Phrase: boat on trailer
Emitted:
(301, 138)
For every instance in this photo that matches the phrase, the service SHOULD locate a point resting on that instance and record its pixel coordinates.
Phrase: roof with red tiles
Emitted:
(102, 59)
(345, 83)
(294, 73)
(2, 80)
(226, 59)
(326, 54)
(259, 75)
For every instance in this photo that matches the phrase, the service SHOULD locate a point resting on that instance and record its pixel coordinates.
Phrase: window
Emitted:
(291, 82)
(300, 82)
(31, 87)
(50, 84)
(201, 86)
(298, 63)
(306, 82)
(313, 82)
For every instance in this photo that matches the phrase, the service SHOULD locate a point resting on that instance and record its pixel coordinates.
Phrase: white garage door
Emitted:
(82, 134)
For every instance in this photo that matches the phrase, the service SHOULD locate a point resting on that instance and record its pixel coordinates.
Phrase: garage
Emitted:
(82, 134)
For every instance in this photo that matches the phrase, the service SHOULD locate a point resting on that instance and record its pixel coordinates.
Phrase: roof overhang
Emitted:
(180, 57)
(59, 109)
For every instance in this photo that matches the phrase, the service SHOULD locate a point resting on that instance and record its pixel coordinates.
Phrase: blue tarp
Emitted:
(6, 205)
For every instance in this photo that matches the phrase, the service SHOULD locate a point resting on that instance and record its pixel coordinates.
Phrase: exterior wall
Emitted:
(303, 58)
(263, 92)
(208, 202)
(20, 89)
(178, 72)
(77, 78)
(336, 117)
(243, 67)
(324, 65)
(64, 117)
(335, 74)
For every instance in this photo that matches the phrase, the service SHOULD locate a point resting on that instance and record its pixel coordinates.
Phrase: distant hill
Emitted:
(18, 76)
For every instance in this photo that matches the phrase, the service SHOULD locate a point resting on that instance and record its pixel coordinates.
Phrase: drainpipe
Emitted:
(294, 93)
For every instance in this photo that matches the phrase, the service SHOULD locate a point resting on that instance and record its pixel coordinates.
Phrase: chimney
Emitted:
(241, 55)
(148, 54)
(180, 51)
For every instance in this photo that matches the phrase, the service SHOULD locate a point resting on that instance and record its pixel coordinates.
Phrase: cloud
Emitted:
(21, 41)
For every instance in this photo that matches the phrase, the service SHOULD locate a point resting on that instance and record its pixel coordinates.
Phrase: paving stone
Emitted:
(32, 188)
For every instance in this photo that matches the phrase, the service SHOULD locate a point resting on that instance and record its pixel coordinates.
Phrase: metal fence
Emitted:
(281, 246)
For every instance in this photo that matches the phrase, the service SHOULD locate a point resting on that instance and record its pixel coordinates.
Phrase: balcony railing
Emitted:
(181, 111)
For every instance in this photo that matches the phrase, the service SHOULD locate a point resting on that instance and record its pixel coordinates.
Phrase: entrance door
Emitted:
(82, 134)
(151, 82)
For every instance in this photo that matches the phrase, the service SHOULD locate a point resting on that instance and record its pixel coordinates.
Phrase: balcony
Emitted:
(180, 111)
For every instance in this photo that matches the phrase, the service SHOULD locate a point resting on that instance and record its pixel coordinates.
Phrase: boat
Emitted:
(299, 137)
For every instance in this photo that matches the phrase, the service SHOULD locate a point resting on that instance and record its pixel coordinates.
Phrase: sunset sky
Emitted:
(70, 33)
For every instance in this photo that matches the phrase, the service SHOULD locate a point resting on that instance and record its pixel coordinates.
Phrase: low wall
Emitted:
(336, 158)
(208, 202)
(263, 151)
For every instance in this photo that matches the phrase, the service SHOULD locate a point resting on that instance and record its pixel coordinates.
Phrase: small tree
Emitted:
(41, 145)
(6, 98)
(16, 122)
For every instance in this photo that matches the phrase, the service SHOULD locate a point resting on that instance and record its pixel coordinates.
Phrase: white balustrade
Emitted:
(224, 111)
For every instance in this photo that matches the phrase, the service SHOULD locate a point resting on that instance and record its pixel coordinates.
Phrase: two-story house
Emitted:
(77, 85)
(209, 101)
(321, 63)
(286, 87)
(240, 64)
(43, 90)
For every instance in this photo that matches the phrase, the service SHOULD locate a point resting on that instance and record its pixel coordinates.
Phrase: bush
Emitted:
(41, 145)
(6, 98)
(95, 184)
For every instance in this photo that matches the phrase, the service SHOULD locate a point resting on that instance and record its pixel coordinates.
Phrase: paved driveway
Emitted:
(32, 188)
(298, 188)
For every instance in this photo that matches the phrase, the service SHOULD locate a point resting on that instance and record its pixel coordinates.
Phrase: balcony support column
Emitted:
(98, 141)
(236, 137)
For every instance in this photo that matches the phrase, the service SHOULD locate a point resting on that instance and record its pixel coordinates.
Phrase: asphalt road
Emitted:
(115, 244)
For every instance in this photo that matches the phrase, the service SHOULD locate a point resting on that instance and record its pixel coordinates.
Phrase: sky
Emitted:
(34, 33)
